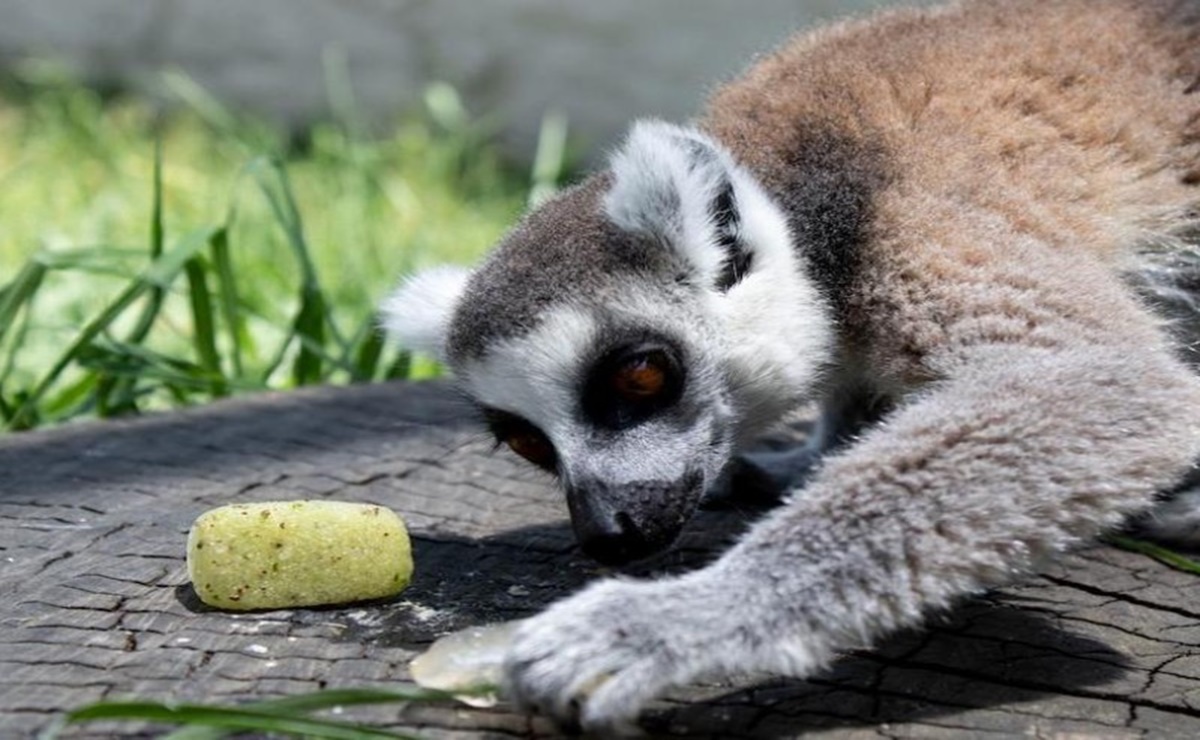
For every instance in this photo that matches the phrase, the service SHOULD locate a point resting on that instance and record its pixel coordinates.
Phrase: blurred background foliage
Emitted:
(153, 257)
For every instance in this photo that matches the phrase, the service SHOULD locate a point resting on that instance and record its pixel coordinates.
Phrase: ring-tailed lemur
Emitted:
(934, 210)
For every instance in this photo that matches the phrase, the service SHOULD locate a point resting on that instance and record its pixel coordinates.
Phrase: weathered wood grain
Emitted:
(94, 601)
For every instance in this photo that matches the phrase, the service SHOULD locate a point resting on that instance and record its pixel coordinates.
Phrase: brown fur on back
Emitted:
(1006, 151)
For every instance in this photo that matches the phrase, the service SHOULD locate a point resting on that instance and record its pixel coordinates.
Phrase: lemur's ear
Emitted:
(417, 315)
(677, 185)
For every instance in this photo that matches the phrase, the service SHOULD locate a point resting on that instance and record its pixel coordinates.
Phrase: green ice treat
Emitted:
(297, 553)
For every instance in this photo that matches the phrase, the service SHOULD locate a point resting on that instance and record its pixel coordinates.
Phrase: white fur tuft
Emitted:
(784, 324)
(417, 315)
(665, 178)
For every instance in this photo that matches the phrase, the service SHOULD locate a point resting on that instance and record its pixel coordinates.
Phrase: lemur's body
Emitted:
(936, 210)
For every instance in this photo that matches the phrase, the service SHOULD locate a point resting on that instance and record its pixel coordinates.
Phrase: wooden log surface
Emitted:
(95, 603)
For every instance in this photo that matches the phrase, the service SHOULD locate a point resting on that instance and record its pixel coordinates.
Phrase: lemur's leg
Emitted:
(1022, 452)
(764, 477)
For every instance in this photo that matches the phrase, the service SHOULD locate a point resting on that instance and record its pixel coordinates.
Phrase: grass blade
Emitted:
(117, 396)
(13, 349)
(204, 331)
(19, 292)
(550, 159)
(159, 274)
(283, 205)
(157, 231)
(16, 295)
(224, 717)
(369, 349)
(1174, 559)
(316, 701)
(277, 360)
(208, 108)
(401, 367)
(64, 404)
(117, 359)
(235, 323)
(313, 314)
(97, 259)
(309, 327)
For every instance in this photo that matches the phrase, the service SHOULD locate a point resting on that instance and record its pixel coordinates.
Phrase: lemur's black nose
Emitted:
(618, 524)
(613, 540)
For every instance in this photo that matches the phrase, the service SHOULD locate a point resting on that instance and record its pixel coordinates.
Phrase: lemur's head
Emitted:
(629, 334)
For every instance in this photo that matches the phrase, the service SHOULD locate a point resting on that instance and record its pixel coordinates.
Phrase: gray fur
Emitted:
(552, 254)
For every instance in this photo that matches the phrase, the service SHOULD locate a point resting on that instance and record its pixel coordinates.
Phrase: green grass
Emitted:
(1166, 556)
(289, 715)
(154, 259)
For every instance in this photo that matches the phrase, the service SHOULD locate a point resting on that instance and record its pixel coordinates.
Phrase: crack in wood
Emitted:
(1123, 597)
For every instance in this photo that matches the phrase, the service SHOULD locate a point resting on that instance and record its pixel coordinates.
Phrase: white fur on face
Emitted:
(779, 329)
(417, 315)
(539, 377)
(776, 331)
(534, 375)
(663, 189)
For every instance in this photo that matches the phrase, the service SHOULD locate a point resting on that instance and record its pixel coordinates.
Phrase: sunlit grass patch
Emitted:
(245, 257)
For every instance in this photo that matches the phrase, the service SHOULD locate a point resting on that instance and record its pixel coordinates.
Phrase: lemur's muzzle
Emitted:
(616, 524)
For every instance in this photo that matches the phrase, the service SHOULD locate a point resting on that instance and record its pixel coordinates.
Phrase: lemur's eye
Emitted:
(522, 438)
(642, 377)
(632, 384)
(533, 446)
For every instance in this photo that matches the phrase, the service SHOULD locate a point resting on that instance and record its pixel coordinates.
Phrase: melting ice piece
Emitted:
(468, 661)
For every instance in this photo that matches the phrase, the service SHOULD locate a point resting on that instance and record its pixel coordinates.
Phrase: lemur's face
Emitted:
(636, 417)
(630, 334)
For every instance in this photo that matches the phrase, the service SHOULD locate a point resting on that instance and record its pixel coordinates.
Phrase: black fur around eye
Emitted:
(522, 438)
(631, 384)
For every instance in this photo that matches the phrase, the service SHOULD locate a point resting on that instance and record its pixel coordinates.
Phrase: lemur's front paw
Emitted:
(594, 660)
